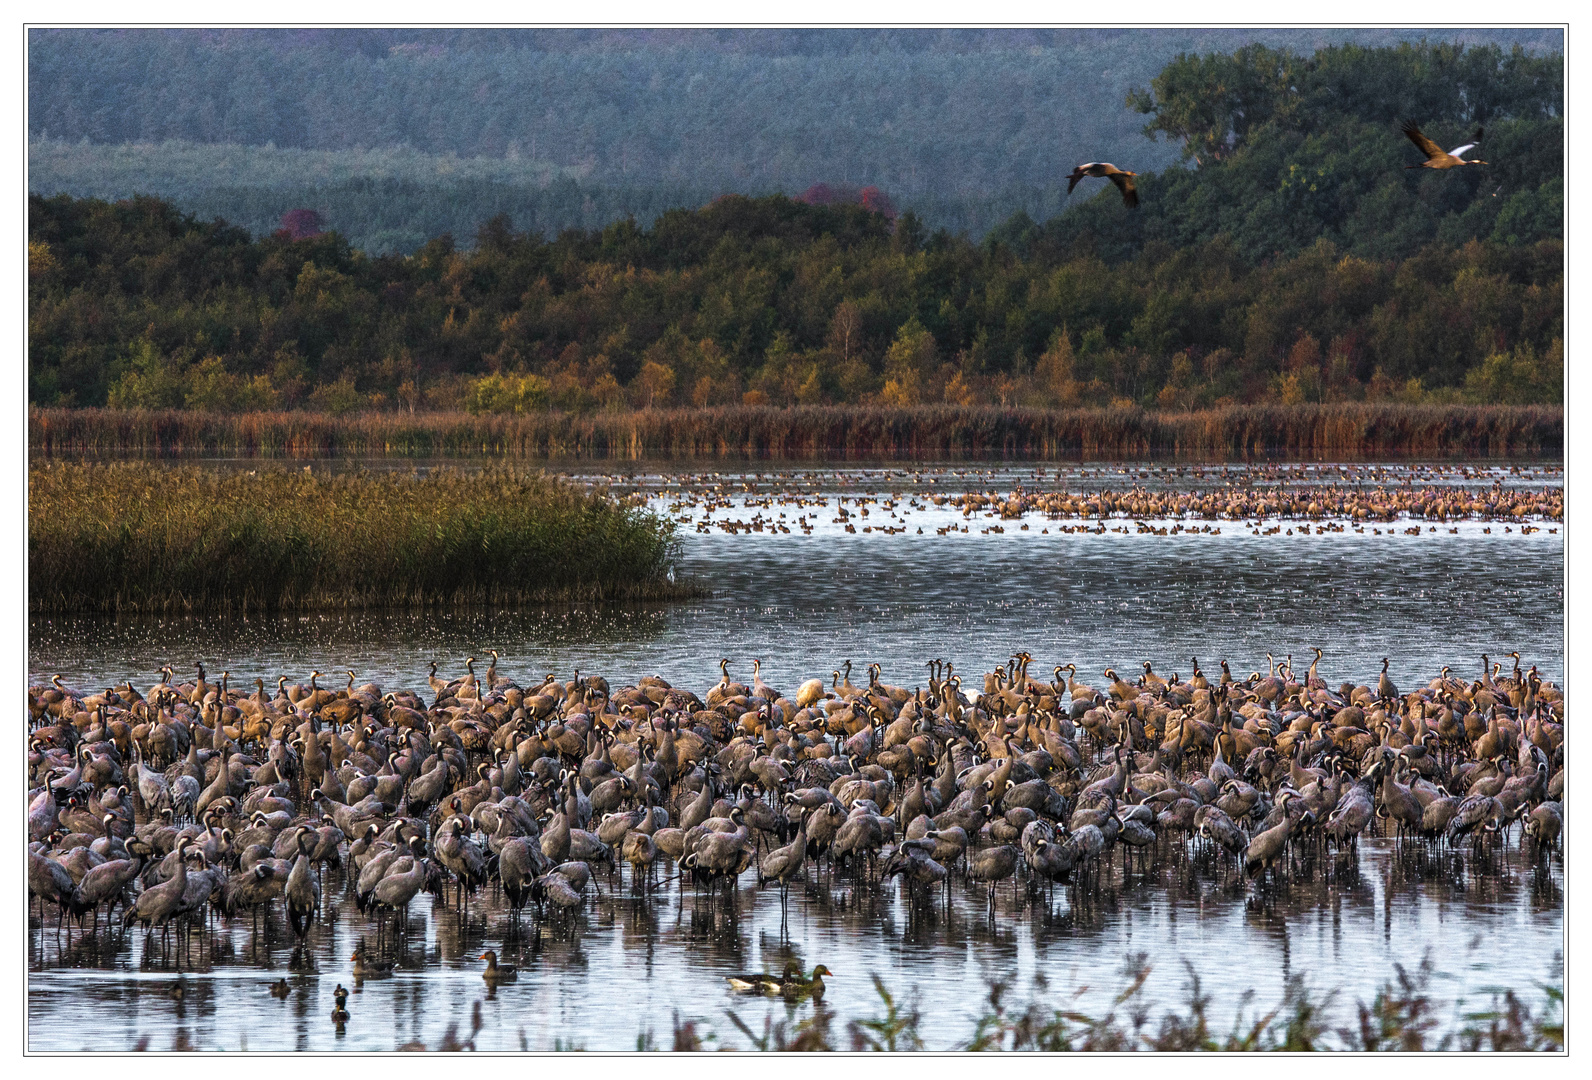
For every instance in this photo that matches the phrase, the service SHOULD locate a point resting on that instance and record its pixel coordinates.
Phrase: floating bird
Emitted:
(1436, 158)
(1120, 177)
(762, 982)
(367, 966)
(280, 989)
(340, 1010)
(495, 972)
(795, 986)
(753, 984)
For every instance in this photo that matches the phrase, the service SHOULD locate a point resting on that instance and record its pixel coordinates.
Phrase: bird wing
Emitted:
(1073, 178)
(1130, 194)
(1427, 146)
(1458, 150)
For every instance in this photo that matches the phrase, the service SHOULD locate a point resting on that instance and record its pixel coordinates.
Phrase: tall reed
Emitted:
(1344, 431)
(141, 537)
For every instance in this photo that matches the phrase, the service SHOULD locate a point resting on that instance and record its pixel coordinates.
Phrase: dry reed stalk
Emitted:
(1344, 431)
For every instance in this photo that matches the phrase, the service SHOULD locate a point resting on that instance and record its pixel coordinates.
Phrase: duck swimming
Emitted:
(795, 986)
(495, 972)
(763, 982)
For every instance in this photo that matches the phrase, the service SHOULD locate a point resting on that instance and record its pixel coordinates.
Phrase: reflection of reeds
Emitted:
(138, 537)
(1347, 430)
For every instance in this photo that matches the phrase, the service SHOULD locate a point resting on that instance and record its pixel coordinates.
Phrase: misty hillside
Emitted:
(395, 136)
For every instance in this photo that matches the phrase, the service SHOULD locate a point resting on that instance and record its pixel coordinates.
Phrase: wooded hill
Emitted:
(397, 136)
(1293, 257)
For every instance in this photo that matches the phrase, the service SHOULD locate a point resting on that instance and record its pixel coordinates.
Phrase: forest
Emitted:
(396, 136)
(1288, 256)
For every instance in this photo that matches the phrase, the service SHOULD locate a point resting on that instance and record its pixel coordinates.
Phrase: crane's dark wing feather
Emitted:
(1426, 146)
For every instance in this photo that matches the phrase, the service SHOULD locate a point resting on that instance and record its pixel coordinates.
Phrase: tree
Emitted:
(1212, 103)
(1055, 372)
(910, 357)
(845, 330)
(149, 380)
(301, 224)
(656, 381)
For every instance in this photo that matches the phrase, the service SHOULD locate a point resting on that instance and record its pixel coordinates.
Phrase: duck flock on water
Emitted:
(162, 808)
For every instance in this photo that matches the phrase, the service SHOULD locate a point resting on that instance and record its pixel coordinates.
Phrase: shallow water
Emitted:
(624, 965)
(804, 604)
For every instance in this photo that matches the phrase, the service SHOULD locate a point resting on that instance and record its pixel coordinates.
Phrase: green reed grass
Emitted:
(1346, 430)
(138, 537)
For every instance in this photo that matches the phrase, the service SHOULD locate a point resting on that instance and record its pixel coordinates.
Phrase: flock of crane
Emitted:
(193, 799)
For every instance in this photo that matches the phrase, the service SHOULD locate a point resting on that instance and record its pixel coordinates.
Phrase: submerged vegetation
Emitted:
(136, 537)
(1343, 431)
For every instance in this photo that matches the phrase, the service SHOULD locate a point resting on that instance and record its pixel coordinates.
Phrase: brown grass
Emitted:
(1343, 431)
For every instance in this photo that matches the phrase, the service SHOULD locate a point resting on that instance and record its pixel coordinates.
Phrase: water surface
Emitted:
(623, 966)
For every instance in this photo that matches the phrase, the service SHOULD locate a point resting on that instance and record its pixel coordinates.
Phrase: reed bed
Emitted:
(135, 537)
(1342, 431)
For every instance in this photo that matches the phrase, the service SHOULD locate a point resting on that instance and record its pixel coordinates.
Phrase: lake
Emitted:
(806, 603)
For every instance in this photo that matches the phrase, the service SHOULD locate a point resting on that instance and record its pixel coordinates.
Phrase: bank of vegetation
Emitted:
(135, 537)
(1342, 431)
